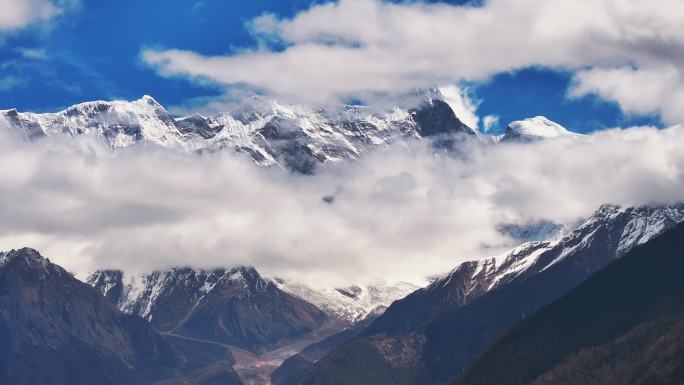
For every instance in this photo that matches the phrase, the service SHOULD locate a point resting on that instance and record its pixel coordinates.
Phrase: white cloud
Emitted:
(398, 214)
(489, 122)
(20, 13)
(650, 90)
(365, 48)
(462, 104)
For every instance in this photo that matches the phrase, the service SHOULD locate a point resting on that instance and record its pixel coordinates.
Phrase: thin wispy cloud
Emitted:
(7, 83)
(33, 53)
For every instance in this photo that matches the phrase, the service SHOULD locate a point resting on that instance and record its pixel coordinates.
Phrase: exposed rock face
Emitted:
(55, 329)
(435, 118)
(235, 306)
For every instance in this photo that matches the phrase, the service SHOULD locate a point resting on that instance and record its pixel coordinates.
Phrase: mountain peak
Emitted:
(27, 257)
(149, 100)
(10, 112)
(533, 129)
(435, 117)
(53, 323)
(225, 305)
(607, 210)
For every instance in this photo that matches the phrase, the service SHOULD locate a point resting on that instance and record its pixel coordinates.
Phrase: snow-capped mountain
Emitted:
(119, 123)
(608, 234)
(229, 306)
(432, 334)
(533, 129)
(624, 229)
(294, 136)
(351, 304)
(619, 318)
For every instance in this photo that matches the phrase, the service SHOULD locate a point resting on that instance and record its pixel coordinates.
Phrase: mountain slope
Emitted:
(624, 325)
(431, 335)
(611, 229)
(297, 365)
(55, 329)
(296, 137)
(235, 306)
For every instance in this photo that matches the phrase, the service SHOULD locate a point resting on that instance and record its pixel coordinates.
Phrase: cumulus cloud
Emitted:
(20, 13)
(366, 48)
(401, 213)
(650, 90)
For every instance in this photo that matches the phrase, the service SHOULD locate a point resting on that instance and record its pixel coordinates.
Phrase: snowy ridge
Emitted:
(234, 307)
(351, 304)
(30, 258)
(119, 123)
(481, 276)
(293, 136)
(296, 137)
(141, 294)
(613, 229)
(149, 294)
(556, 265)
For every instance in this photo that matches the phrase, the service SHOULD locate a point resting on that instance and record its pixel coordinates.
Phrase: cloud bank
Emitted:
(401, 213)
(369, 48)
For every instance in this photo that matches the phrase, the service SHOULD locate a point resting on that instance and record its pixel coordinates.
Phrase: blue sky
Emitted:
(94, 52)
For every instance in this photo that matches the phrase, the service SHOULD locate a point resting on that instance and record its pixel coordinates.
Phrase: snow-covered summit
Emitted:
(119, 123)
(353, 303)
(533, 129)
(228, 306)
(143, 294)
(296, 137)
